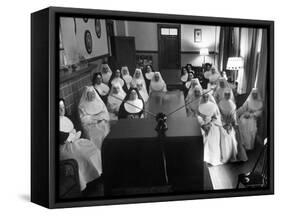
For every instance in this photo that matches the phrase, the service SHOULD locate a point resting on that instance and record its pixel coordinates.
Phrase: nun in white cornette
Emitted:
(106, 73)
(132, 106)
(94, 116)
(101, 88)
(193, 83)
(223, 86)
(213, 78)
(229, 144)
(247, 118)
(115, 98)
(138, 76)
(126, 76)
(193, 101)
(148, 74)
(142, 90)
(85, 152)
(117, 77)
(210, 121)
(157, 83)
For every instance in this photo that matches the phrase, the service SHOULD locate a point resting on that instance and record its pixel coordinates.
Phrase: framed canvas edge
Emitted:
(53, 87)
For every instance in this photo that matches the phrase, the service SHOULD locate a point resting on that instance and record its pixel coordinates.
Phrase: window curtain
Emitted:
(228, 46)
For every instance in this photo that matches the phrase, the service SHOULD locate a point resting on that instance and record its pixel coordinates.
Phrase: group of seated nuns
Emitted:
(227, 132)
(112, 96)
(123, 95)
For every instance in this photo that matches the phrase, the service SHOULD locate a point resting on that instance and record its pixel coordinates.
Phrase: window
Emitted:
(169, 31)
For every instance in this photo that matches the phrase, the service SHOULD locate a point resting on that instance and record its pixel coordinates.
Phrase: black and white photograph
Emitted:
(161, 108)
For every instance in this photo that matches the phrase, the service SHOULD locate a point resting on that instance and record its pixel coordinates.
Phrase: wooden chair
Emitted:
(256, 178)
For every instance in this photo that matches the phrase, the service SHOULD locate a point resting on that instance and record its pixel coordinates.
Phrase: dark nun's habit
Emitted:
(132, 105)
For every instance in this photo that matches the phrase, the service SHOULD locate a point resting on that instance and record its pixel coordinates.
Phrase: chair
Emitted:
(256, 178)
(69, 183)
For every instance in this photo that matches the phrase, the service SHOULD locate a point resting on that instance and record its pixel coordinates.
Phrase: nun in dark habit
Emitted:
(132, 106)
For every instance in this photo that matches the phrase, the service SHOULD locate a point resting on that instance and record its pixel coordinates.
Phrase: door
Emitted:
(169, 46)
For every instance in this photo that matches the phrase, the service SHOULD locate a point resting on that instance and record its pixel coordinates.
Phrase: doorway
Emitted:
(169, 42)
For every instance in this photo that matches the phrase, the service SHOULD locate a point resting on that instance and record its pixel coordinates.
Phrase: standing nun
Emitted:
(248, 114)
(157, 83)
(85, 152)
(115, 98)
(148, 74)
(229, 145)
(94, 116)
(132, 106)
(117, 78)
(221, 88)
(210, 121)
(106, 73)
(126, 76)
(101, 88)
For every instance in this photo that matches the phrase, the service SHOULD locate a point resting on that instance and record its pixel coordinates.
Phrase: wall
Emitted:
(146, 40)
(74, 44)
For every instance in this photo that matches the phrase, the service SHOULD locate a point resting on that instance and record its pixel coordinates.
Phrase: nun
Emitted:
(117, 78)
(106, 73)
(148, 74)
(132, 106)
(193, 83)
(189, 68)
(193, 102)
(138, 76)
(213, 78)
(140, 85)
(229, 144)
(184, 75)
(101, 88)
(115, 98)
(187, 84)
(248, 114)
(207, 72)
(221, 88)
(126, 76)
(210, 121)
(94, 116)
(157, 83)
(85, 152)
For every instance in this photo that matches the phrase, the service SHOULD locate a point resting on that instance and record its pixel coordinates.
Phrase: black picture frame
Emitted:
(197, 35)
(45, 97)
(88, 41)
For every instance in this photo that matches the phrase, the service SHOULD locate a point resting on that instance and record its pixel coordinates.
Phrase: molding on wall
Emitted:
(198, 52)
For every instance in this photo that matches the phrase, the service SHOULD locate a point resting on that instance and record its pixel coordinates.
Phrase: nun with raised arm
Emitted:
(157, 83)
(248, 114)
(117, 78)
(101, 88)
(193, 101)
(140, 85)
(148, 74)
(85, 152)
(223, 86)
(126, 76)
(132, 106)
(115, 98)
(94, 116)
(106, 73)
(210, 121)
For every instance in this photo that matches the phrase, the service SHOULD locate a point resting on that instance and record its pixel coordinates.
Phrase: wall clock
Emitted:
(88, 41)
(98, 27)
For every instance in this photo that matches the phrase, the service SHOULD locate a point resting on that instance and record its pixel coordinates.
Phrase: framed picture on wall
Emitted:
(197, 35)
(103, 134)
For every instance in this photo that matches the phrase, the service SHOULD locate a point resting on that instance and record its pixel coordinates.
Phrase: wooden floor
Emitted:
(225, 176)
